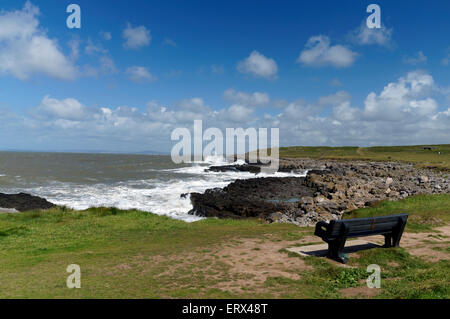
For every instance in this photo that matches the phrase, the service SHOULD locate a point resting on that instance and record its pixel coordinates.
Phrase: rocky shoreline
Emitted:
(330, 189)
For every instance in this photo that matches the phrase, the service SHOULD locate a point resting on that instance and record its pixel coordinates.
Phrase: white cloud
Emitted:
(26, 50)
(318, 52)
(365, 36)
(140, 74)
(195, 104)
(343, 112)
(94, 48)
(239, 113)
(299, 110)
(244, 98)
(185, 115)
(403, 100)
(419, 58)
(106, 64)
(334, 99)
(136, 38)
(67, 109)
(258, 65)
(106, 35)
(74, 45)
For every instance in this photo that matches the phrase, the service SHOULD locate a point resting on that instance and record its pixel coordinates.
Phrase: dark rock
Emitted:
(257, 197)
(255, 169)
(24, 202)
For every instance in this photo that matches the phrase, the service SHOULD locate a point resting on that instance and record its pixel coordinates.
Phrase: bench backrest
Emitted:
(366, 226)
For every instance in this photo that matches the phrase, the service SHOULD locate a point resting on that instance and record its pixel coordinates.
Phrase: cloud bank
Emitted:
(403, 112)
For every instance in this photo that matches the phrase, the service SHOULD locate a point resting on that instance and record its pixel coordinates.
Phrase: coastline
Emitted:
(316, 190)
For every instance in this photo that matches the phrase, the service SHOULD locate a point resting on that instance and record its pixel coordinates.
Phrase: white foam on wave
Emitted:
(162, 197)
(215, 160)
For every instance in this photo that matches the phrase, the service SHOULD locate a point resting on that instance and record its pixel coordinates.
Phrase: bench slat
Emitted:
(365, 224)
(365, 227)
(358, 221)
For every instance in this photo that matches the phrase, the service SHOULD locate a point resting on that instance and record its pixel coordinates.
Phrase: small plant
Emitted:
(350, 277)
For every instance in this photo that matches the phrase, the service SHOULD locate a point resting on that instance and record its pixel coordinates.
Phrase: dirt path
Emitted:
(238, 266)
(252, 261)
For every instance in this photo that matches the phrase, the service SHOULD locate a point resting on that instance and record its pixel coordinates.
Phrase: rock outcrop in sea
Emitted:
(23, 202)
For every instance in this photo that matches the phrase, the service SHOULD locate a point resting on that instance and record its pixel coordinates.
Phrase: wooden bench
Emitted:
(336, 232)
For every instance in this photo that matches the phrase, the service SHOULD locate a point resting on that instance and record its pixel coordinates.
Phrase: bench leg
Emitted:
(387, 241)
(397, 234)
(336, 250)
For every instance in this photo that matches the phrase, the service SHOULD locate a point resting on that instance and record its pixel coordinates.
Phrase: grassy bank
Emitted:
(425, 211)
(132, 254)
(438, 157)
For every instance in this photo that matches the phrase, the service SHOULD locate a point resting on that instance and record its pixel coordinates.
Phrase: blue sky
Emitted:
(138, 69)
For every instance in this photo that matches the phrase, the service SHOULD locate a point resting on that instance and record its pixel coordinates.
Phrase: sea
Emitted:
(151, 183)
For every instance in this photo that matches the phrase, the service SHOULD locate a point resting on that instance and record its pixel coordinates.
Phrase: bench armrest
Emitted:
(321, 229)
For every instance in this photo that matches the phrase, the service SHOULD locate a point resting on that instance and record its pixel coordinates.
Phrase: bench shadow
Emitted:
(347, 250)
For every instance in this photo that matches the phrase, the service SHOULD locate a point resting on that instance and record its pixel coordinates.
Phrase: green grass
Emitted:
(402, 276)
(426, 211)
(411, 154)
(411, 277)
(132, 254)
(36, 248)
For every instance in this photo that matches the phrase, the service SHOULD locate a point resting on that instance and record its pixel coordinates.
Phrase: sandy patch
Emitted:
(253, 261)
(239, 265)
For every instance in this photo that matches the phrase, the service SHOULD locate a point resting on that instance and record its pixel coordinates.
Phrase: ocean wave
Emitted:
(159, 195)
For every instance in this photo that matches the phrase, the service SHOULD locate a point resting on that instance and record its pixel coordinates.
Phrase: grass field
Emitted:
(132, 254)
(420, 155)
